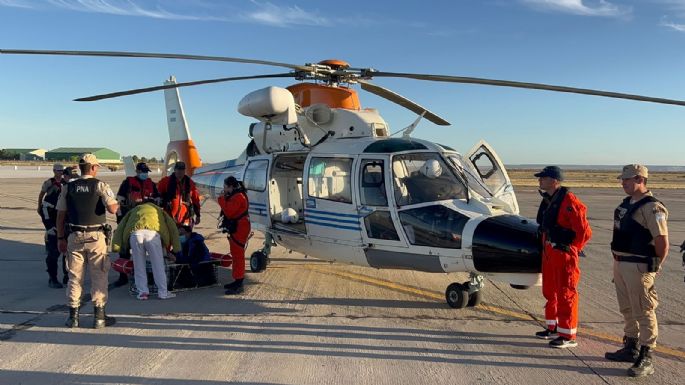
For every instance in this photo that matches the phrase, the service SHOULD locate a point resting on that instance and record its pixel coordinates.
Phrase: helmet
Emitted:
(431, 169)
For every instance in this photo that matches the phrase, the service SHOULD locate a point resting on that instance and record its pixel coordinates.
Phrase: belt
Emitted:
(78, 228)
(631, 258)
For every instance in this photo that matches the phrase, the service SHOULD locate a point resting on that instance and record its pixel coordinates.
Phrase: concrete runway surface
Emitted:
(309, 322)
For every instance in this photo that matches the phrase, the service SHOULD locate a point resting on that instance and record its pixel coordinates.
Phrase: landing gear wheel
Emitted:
(475, 299)
(457, 295)
(258, 261)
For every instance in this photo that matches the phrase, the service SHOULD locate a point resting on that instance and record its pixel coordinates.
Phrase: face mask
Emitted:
(142, 176)
(183, 238)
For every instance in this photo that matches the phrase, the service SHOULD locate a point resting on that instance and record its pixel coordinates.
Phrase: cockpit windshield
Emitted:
(469, 172)
(424, 177)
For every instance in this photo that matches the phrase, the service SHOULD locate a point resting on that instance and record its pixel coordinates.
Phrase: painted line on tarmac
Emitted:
(488, 308)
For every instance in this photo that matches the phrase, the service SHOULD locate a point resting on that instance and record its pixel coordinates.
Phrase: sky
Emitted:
(622, 45)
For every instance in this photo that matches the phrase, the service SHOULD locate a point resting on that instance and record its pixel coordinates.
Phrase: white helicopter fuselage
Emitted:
(362, 198)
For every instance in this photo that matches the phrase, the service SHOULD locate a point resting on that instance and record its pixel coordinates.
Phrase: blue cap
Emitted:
(552, 172)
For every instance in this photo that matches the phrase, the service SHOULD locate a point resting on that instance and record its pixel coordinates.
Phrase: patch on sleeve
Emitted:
(660, 216)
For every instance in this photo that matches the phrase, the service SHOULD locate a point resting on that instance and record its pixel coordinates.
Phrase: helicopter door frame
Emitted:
(256, 181)
(490, 169)
(330, 202)
(370, 202)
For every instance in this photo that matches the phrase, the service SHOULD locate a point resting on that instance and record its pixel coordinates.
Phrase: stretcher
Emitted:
(180, 276)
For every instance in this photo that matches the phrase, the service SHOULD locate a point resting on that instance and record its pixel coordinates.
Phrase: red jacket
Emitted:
(177, 200)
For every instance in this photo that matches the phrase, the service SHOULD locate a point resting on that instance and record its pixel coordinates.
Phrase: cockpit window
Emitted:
(424, 177)
(471, 175)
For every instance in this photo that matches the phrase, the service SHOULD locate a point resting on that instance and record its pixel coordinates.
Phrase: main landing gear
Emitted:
(461, 295)
(260, 258)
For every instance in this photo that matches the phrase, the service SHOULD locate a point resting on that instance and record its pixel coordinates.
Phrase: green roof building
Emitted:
(72, 154)
(26, 153)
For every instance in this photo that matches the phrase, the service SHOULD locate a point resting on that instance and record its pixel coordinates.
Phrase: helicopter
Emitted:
(326, 178)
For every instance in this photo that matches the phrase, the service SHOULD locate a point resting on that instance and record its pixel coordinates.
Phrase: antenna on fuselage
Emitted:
(410, 128)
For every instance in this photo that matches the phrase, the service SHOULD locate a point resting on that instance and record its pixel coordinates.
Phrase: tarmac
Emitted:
(304, 321)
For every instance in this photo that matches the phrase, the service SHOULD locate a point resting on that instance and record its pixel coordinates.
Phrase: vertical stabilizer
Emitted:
(181, 147)
(176, 117)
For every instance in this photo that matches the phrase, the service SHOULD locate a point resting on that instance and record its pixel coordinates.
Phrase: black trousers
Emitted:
(52, 258)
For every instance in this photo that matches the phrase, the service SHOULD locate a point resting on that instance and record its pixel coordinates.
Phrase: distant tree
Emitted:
(143, 159)
(153, 160)
(73, 158)
(135, 159)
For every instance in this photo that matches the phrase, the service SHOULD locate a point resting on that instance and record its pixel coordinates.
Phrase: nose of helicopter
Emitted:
(506, 244)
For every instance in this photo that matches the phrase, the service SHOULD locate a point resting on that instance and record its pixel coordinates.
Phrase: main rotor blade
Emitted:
(152, 55)
(534, 86)
(177, 85)
(402, 101)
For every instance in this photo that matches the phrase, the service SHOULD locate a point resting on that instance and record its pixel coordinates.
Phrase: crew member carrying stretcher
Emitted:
(236, 222)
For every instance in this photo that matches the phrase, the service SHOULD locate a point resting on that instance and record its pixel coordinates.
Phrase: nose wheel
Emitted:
(461, 295)
(258, 262)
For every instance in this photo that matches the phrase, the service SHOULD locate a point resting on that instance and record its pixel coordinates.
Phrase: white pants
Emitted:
(142, 242)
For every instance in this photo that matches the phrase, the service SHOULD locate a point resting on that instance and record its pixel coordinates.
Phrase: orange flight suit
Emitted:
(234, 207)
(560, 267)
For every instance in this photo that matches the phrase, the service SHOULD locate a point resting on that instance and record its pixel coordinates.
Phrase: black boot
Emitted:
(643, 366)
(628, 353)
(123, 279)
(53, 283)
(72, 321)
(101, 319)
(235, 287)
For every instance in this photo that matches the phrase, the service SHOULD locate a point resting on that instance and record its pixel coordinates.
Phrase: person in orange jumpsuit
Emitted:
(180, 197)
(236, 222)
(564, 230)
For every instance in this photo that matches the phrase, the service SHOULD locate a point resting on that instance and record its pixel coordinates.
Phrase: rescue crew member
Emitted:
(85, 202)
(180, 197)
(47, 199)
(564, 231)
(148, 230)
(640, 246)
(133, 191)
(236, 222)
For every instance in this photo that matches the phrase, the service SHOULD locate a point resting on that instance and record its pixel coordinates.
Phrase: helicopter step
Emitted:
(461, 295)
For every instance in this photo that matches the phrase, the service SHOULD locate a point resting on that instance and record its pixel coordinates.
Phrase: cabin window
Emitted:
(435, 226)
(424, 177)
(329, 178)
(373, 183)
(255, 175)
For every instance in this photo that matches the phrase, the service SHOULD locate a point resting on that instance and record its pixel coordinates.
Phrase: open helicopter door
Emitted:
(255, 180)
(490, 169)
(377, 219)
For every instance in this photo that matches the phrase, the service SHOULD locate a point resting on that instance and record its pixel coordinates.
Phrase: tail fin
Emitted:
(129, 166)
(181, 147)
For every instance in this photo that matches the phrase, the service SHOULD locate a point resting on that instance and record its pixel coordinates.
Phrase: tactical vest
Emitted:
(139, 190)
(49, 213)
(629, 236)
(53, 192)
(84, 206)
(548, 216)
